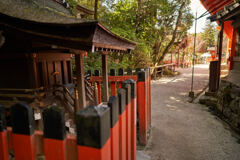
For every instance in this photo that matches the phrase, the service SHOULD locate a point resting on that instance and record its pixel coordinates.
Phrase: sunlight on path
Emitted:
(187, 131)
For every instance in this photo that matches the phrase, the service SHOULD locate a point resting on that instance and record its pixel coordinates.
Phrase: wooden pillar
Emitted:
(105, 77)
(66, 79)
(220, 42)
(233, 48)
(80, 81)
(183, 60)
(178, 61)
(32, 68)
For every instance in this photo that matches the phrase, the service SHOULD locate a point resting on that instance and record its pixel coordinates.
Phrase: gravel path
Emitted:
(187, 131)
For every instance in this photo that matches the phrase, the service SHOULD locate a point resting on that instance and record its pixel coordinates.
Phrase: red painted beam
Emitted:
(122, 124)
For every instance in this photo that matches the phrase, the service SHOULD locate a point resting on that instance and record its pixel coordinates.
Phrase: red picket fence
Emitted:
(103, 132)
(142, 98)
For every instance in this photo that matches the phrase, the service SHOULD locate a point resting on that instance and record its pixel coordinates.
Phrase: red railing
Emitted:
(143, 96)
(107, 131)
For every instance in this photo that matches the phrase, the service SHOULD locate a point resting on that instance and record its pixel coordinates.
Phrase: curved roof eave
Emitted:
(89, 34)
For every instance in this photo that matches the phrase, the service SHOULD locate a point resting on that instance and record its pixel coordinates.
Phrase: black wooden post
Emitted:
(54, 133)
(93, 133)
(23, 131)
(120, 72)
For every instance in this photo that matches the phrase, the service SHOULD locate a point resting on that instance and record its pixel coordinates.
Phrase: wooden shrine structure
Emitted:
(36, 51)
(226, 14)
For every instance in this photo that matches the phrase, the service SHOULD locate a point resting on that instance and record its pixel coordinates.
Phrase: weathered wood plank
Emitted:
(80, 81)
(105, 77)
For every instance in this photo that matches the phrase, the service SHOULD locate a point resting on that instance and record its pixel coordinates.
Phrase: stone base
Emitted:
(209, 101)
(228, 98)
(210, 94)
(233, 77)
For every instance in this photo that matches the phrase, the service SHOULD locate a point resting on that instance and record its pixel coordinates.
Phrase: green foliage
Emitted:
(93, 61)
(209, 34)
(73, 5)
(150, 23)
(154, 24)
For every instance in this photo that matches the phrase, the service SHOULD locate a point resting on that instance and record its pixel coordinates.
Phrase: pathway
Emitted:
(187, 131)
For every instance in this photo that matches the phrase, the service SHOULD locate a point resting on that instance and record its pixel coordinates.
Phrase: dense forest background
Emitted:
(157, 26)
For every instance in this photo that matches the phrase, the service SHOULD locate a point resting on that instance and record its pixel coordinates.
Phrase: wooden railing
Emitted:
(161, 68)
(142, 79)
(9, 96)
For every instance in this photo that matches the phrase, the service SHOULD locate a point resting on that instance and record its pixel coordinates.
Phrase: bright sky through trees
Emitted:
(197, 6)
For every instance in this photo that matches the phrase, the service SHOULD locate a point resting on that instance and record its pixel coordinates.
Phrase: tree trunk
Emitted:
(165, 51)
(138, 14)
(96, 10)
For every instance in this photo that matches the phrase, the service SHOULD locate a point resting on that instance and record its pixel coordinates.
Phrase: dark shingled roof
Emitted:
(227, 13)
(37, 10)
(51, 23)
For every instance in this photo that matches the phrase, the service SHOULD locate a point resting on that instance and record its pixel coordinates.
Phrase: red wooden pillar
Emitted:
(97, 73)
(120, 73)
(132, 83)
(113, 84)
(122, 124)
(4, 155)
(54, 133)
(23, 129)
(93, 133)
(127, 87)
(114, 113)
(178, 59)
(233, 47)
(142, 107)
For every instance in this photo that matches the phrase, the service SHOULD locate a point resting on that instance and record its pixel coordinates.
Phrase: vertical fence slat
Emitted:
(3, 135)
(93, 133)
(23, 129)
(54, 133)
(129, 71)
(114, 113)
(97, 74)
(142, 107)
(122, 124)
(127, 87)
(113, 84)
(133, 113)
(150, 98)
(147, 70)
(120, 73)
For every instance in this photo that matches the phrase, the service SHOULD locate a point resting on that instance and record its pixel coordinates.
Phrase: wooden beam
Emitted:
(65, 72)
(32, 68)
(80, 81)
(178, 61)
(105, 77)
(220, 43)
